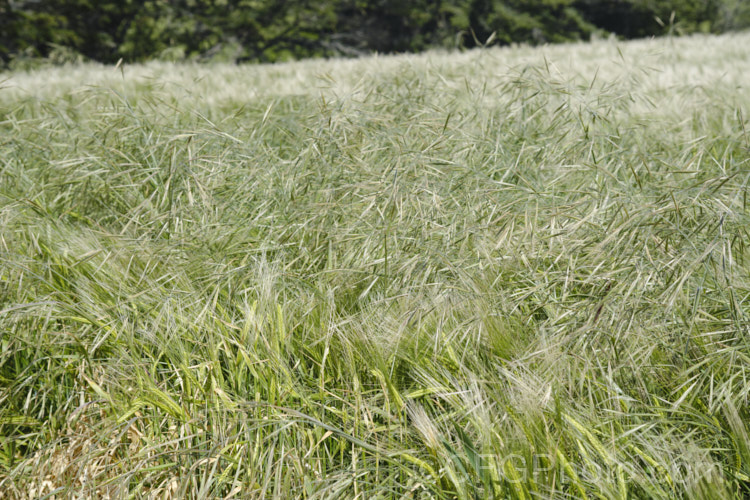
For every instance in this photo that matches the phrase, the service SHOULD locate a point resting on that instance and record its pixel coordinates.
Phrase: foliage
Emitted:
(639, 18)
(534, 21)
(733, 15)
(268, 30)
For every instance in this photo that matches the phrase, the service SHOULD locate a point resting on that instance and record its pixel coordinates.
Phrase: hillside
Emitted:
(501, 273)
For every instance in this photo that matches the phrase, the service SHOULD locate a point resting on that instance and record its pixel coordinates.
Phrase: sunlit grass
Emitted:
(508, 273)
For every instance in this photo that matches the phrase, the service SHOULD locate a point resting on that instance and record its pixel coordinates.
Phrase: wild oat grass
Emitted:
(508, 273)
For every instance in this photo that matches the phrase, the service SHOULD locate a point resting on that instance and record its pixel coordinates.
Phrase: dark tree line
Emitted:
(272, 30)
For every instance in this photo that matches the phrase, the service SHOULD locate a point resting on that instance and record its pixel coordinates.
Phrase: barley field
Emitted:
(503, 273)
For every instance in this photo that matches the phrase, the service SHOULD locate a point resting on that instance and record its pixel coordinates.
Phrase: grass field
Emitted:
(506, 273)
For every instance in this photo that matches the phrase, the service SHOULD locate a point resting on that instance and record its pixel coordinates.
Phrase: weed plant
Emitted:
(506, 273)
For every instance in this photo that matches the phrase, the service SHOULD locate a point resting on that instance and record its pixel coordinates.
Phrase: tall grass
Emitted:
(509, 273)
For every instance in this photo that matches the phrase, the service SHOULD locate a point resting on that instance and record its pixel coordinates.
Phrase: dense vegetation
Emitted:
(506, 273)
(271, 30)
